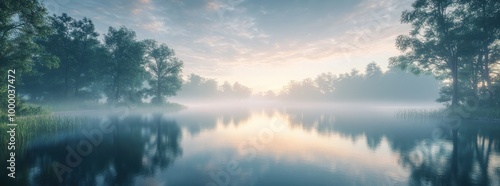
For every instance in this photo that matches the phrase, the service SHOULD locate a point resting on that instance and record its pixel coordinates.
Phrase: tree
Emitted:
(88, 54)
(21, 23)
(241, 91)
(59, 44)
(237, 90)
(373, 70)
(483, 19)
(456, 40)
(326, 83)
(125, 70)
(74, 43)
(164, 69)
(301, 90)
(434, 42)
(226, 89)
(197, 87)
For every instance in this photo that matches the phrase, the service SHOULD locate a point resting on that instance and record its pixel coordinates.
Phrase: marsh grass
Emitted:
(40, 127)
(489, 114)
(419, 114)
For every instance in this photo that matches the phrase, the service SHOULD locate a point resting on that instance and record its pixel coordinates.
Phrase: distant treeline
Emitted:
(373, 85)
(196, 87)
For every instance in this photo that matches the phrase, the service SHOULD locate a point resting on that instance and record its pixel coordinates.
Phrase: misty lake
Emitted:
(269, 146)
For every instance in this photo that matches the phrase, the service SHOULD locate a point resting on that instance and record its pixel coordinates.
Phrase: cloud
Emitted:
(213, 6)
(214, 36)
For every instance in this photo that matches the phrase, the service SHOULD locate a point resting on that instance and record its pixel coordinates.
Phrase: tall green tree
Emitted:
(434, 42)
(53, 83)
(75, 44)
(88, 53)
(21, 22)
(457, 40)
(164, 69)
(483, 19)
(125, 71)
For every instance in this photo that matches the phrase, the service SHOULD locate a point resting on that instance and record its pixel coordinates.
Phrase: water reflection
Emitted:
(469, 159)
(137, 146)
(467, 156)
(196, 121)
(241, 147)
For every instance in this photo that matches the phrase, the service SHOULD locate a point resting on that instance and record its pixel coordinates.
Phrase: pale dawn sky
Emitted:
(260, 43)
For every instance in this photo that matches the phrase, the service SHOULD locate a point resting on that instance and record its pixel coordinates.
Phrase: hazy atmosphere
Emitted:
(250, 92)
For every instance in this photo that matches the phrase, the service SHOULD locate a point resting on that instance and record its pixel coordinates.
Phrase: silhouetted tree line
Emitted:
(59, 58)
(457, 41)
(373, 85)
(197, 87)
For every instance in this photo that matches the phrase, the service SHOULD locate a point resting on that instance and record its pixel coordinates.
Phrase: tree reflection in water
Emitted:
(143, 148)
(463, 159)
(137, 146)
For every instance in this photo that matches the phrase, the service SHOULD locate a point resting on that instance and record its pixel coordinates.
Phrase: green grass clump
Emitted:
(40, 127)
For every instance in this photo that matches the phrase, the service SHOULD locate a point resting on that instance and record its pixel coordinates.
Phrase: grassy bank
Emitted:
(40, 127)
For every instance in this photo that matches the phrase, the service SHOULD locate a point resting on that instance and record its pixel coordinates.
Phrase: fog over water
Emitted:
(270, 144)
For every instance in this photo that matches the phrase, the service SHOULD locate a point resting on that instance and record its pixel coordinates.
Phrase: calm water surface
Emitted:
(264, 147)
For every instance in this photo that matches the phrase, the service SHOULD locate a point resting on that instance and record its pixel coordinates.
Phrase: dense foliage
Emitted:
(458, 41)
(62, 59)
